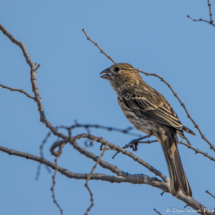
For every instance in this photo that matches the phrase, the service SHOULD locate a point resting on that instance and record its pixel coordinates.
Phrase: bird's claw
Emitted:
(133, 145)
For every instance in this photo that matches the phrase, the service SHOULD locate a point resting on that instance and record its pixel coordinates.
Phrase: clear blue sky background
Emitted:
(155, 36)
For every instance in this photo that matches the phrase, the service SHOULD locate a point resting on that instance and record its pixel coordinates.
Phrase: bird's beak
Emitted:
(107, 74)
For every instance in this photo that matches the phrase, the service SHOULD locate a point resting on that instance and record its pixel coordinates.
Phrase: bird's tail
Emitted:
(167, 136)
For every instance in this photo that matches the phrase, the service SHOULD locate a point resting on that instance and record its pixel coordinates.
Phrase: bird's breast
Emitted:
(137, 119)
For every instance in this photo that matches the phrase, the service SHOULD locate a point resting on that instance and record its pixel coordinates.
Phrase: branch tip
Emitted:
(96, 44)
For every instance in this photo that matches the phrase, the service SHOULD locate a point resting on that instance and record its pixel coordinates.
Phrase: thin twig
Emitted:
(123, 151)
(91, 199)
(78, 125)
(60, 144)
(162, 193)
(197, 150)
(53, 185)
(88, 178)
(210, 194)
(129, 145)
(187, 140)
(87, 126)
(211, 22)
(157, 212)
(109, 128)
(182, 104)
(104, 150)
(88, 143)
(42, 156)
(210, 11)
(18, 90)
(96, 44)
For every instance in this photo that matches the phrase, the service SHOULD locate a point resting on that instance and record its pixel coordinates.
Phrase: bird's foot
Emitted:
(133, 144)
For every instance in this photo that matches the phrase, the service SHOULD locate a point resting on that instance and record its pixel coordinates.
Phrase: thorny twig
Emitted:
(123, 151)
(88, 178)
(197, 150)
(157, 212)
(109, 128)
(96, 44)
(59, 144)
(87, 127)
(211, 22)
(187, 140)
(52, 188)
(181, 142)
(18, 90)
(88, 143)
(210, 194)
(162, 193)
(42, 156)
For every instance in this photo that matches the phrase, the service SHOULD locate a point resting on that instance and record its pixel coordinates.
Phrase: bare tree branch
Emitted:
(157, 212)
(123, 151)
(35, 90)
(134, 179)
(197, 150)
(96, 44)
(211, 22)
(185, 144)
(60, 145)
(78, 125)
(210, 194)
(108, 128)
(42, 156)
(127, 178)
(88, 178)
(18, 90)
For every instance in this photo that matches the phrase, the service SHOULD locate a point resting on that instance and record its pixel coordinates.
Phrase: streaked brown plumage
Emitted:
(150, 113)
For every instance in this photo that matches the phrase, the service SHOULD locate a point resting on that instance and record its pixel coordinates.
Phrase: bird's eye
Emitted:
(116, 69)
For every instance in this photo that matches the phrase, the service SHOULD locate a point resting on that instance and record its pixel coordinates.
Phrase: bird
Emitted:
(150, 113)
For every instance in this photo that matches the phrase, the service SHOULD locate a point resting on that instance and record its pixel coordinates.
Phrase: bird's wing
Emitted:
(153, 106)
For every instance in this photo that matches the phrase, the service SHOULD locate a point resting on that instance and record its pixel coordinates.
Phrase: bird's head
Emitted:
(122, 75)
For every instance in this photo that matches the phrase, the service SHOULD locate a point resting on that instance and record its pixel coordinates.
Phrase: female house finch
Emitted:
(150, 113)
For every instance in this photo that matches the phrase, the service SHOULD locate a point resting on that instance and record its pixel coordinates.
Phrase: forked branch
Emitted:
(18, 90)
(211, 22)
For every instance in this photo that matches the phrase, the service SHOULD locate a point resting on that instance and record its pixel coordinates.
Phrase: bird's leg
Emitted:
(133, 144)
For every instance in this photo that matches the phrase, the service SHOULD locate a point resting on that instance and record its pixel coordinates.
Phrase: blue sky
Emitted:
(155, 36)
